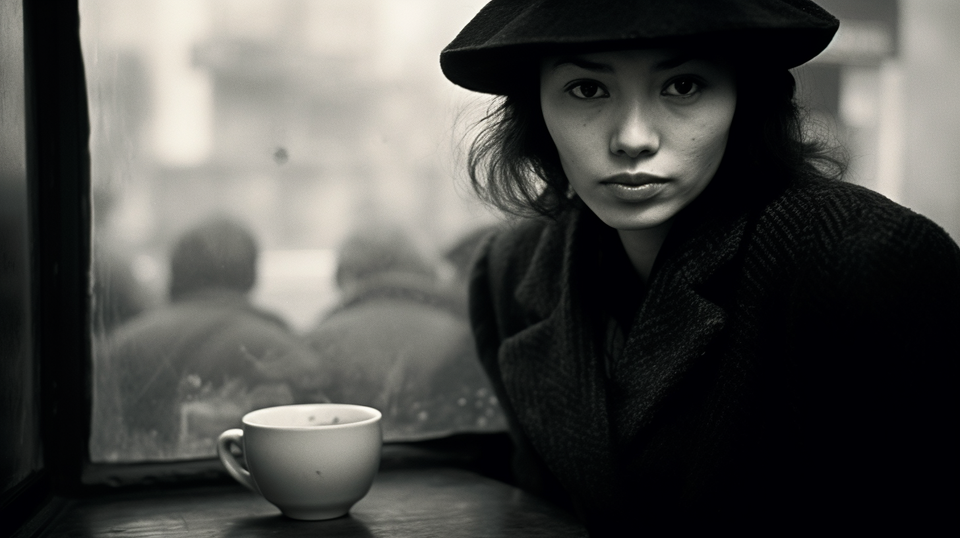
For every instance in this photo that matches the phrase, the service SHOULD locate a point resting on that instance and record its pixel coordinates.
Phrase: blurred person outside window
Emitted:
(186, 371)
(400, 341)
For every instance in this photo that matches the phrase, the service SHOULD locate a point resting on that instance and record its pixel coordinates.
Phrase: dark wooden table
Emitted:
(422, 502)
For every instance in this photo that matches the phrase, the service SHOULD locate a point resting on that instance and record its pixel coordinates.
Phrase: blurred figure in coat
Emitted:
(461, 256)
(189, 370)
(400, 342)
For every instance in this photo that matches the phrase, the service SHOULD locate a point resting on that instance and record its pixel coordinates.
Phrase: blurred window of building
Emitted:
(852, 89)
(882, 89)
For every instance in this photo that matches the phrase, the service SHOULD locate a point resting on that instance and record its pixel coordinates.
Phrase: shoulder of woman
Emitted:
(512, 249)
(518, 272)
(854, 235)
(838, 211)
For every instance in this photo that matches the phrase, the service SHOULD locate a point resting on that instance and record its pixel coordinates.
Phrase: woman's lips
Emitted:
(634, 187)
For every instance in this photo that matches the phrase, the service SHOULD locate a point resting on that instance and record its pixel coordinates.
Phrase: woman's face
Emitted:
(640, 133)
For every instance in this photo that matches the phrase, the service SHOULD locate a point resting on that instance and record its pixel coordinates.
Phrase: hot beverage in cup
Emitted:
(313, 461)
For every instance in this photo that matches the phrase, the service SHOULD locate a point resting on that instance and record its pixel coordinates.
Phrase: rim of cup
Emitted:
(250, 419)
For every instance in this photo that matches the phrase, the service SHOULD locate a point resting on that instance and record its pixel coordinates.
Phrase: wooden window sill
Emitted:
(423, 501)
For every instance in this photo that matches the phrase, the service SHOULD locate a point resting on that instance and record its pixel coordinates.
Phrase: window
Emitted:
(324, 135)
(44, 410)
(277, 219)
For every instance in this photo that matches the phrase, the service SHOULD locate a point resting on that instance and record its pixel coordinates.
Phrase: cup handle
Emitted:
(234, 437)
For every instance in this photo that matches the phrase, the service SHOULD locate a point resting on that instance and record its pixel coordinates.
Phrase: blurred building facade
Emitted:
(881, 86)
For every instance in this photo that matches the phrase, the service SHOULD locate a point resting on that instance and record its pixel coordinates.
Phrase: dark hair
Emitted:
(219, 253)
(514, 165)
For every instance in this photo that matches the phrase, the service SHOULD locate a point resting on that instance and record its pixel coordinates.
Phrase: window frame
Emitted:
(58, 179)
(59, 183)
(58, 209)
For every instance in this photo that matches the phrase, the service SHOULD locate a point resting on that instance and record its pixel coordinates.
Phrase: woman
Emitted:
(703, 329)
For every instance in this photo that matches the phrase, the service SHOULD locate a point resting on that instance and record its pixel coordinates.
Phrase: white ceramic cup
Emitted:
(313, 461)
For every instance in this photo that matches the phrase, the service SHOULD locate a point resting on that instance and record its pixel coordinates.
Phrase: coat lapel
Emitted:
(680, 319)
(552, 372)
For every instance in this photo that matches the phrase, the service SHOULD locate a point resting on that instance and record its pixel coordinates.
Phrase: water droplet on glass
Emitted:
(462, 402)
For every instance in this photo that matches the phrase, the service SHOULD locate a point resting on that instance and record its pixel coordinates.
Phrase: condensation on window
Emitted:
(279, 217)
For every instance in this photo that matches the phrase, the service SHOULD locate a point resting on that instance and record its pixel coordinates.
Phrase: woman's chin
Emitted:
(637, 219)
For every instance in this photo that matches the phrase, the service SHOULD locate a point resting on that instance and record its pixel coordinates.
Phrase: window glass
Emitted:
(277, 218)
(279, 214)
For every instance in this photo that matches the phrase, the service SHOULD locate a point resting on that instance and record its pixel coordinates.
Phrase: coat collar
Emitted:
(553, 370)
(684, 313)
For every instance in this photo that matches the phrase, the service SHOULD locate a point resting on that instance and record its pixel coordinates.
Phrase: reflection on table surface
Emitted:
(431, 501)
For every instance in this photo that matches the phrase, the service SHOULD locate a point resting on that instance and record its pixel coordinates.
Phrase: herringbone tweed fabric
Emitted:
(791, 366)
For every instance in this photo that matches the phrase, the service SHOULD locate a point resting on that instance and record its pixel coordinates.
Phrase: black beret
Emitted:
(491, 51)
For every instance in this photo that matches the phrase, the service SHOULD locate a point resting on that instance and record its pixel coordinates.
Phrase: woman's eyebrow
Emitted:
(583, 64)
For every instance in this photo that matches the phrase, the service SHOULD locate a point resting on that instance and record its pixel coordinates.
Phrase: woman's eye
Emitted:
(682, 88)
(587, 90)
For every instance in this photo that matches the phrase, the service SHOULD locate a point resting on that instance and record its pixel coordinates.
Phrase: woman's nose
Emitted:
(634, 132)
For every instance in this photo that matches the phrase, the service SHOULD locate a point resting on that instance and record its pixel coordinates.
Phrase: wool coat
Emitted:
(789, 366)
(211, 347)
(400, 344)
